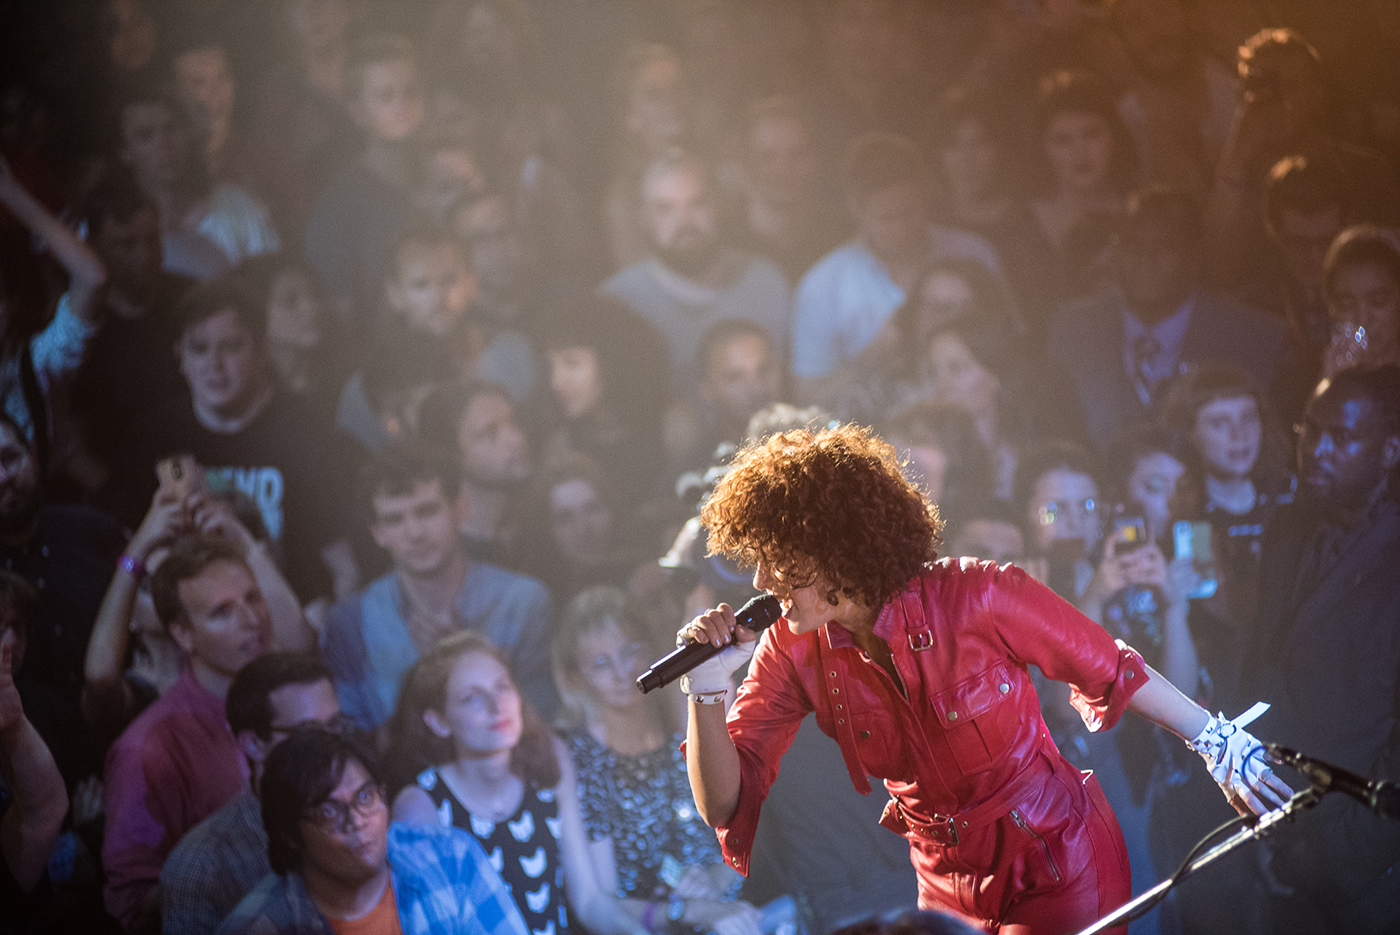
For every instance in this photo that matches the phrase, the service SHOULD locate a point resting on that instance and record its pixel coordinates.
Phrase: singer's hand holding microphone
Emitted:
(712, 647)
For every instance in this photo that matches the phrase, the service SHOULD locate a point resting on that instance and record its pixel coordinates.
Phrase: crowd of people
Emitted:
(363, 365)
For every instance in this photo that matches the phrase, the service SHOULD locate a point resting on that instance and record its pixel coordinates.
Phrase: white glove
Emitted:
(715, 674)
(1233, 755)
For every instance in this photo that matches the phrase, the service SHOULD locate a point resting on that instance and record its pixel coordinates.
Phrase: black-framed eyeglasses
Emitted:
(341, 724)
(333, 815)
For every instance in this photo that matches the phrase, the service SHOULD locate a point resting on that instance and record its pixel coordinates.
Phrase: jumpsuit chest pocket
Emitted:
(972, 713)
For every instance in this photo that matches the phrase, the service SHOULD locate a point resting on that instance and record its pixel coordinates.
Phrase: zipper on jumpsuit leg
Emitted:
(1025, 826)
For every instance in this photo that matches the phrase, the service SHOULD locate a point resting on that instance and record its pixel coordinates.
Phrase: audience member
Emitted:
(691, 279)
(741, 372)
(223, 857)
(374, 637)
(1119, 348)
(474, 755)
(632, 786)
(946, 457)
(249, 435)
(203, 82)
(479, 422)
(992, 535)
(1362, 284)
(1328, 630)
(178, 762)
(510, 274)
(300, 342)
(206, 226)
(844, 301)
(363, 209)
(337, 862)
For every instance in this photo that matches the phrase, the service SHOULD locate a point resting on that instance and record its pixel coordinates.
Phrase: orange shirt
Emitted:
(383, 919)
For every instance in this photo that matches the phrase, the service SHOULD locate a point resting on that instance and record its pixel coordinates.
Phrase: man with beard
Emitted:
(373, 638)
(68, 552)
(1329, 653)
(692, 281)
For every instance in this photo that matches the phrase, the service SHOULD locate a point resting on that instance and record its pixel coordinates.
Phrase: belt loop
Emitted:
(921, 640)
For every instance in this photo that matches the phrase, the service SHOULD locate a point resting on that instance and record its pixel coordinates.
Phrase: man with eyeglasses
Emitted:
(1328, 651)
(223, 857)
(339, 866)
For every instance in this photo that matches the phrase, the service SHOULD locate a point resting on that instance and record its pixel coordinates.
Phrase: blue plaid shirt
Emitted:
(443, 885)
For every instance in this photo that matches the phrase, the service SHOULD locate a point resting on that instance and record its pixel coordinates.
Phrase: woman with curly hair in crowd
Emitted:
(918, 668)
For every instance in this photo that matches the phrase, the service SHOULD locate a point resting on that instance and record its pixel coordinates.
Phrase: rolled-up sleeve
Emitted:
(1041, 628)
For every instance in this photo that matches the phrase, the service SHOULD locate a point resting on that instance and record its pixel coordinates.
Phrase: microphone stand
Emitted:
(1139, 905)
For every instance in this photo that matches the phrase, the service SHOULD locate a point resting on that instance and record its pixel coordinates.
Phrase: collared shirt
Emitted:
(213, 868)
(174, 766)
(1168, 334)
(443, 885)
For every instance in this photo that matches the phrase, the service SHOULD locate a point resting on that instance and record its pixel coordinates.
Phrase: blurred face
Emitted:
(681, 216)
(488, 39)
(970, 161)
(481, 711)
(205, 83)
(390, 106)
(1344, 451)
(225, 623)
(1367, 295)
(1152, 486)
(580, 522)
(943, 297)
(1079, 146)
(449, 175)
(492, 445)
(782, 163)
(575, 378)
(131, 251)
(153, 143)
(319, 24)
(224, 365)
(418, 529)
(609, 662)
(294, 311)
(656, 106)
(432, 287)
(499, 254)
(741, 378)
(1156, 266)
(346, 838)
(990, 539)
(957, 378)
(1064, 508)
(1303, 240)
(928, 467)
(1155, 33)
(1228, 435)
(894, 222)
(1283, 88)
(19, 482)
(134, 34)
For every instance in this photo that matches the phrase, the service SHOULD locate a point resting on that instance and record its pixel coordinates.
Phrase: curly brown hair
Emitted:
(832, 505)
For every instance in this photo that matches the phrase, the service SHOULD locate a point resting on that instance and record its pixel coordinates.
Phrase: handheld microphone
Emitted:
(1380, 796)
(757, 615)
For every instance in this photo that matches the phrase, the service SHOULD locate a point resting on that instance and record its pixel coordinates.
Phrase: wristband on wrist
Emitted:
(133, 566)
(649, 916)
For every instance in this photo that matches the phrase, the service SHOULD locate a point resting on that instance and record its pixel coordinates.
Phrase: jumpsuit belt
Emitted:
(945, 829)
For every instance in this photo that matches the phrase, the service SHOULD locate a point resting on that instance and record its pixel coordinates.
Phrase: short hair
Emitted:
(300, 773)
(1277, 41)
(1363, 245)
(255, 275)
(208, 299)
(188, 558)
(1041, 459)
(724, 332)
(1307, 184)
(20, 598)
(249, 702)
(1165, 205)
(593, 610)
(1198, 386)
(370, 50)
(832, 504)
(1070, 91)
(444, 407)
(785, 417)
(1139, 441)
(1380, 384)
(879, 161)
(396, 471)
(115, 197)
(414, 747)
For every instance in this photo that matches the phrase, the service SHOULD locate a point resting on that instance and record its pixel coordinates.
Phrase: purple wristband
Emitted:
(133, 566)
(649, 916)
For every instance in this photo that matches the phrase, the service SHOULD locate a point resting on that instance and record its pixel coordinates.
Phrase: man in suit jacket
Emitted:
(1328, 653)
(1120, 348)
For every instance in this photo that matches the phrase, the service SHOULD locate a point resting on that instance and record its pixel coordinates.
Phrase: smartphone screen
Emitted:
(1130, 532)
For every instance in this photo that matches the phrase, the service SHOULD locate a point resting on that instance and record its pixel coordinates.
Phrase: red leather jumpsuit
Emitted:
(1001, 828)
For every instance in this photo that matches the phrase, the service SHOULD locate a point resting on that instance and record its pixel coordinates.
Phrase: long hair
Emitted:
(1066, 91)
(413, 747)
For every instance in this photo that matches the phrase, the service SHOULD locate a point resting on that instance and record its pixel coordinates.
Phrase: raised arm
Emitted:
(712, 760)
(86, 274)
(32, 824)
